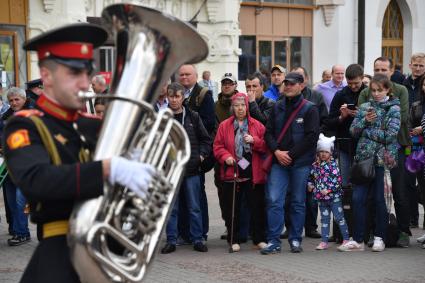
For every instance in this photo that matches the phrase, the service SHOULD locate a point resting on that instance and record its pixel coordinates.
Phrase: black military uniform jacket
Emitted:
(51, 189)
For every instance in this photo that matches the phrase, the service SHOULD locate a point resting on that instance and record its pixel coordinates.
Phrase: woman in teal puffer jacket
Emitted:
(376, 125)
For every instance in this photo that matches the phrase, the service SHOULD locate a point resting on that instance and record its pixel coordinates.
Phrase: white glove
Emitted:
(132, 174)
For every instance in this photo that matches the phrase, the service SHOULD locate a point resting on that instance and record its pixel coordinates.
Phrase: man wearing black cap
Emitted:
(34, 89)
(53, 167)
(292, 160)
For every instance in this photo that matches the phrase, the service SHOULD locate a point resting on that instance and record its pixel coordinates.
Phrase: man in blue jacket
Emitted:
(277, 77)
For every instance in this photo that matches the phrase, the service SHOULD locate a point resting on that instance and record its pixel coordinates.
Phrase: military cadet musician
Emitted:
(48, 149)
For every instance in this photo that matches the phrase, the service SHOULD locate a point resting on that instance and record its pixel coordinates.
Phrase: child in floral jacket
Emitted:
(325, 181)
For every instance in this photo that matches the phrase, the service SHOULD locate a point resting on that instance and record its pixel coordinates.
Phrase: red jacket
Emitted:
(224, 147)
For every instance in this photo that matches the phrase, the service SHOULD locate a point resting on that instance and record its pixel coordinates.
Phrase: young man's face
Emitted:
(63, 84)
(417, 67)
(382, 67)
(277, 77)
(355, 84)
(175, 100)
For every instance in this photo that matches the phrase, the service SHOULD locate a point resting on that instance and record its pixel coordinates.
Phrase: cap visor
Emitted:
(75, 64)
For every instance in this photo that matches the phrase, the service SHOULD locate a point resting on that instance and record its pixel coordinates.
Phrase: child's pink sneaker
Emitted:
(322, 246)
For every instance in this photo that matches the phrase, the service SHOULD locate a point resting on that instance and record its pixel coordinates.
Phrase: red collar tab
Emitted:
(66, 50)
(56, 110)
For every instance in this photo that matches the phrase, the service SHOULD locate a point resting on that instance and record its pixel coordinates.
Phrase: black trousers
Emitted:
(421, 186)
(413, 195)
(256, 206)
(50, 263)
(401, 193)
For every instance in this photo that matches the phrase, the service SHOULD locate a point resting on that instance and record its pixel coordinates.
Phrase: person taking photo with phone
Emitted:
(342, 111)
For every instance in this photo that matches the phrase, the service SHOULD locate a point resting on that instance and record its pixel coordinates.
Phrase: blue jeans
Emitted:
(282, 180)
(334, 206)
(360, 193)
(16, 202)
(191, 191)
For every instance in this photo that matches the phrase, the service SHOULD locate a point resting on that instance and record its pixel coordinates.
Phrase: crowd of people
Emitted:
(284, 151)
(281, 153)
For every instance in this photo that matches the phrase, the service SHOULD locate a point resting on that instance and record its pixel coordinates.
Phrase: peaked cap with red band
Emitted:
(70, 45)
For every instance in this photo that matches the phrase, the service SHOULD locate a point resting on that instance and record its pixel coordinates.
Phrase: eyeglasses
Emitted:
(228, 74)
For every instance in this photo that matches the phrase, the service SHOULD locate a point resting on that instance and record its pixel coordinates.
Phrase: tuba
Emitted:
(113, 238)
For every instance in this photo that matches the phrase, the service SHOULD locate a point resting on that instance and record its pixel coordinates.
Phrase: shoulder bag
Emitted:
(267, 164)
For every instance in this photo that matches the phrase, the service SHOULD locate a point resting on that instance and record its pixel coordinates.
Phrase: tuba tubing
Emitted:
(113, 238)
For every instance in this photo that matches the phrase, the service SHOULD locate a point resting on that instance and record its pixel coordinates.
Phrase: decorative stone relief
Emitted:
(49, 5)
(88, 4)
(160, 5)
(223, 43)
(213, 7)
(176, 8)
(328, 8)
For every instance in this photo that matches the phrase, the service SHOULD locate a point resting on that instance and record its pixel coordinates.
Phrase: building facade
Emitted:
(242, 36)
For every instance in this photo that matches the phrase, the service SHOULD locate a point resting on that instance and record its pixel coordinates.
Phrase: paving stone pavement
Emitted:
(185, 265)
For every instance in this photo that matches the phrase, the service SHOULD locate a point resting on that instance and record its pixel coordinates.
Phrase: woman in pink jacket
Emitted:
(239, 144)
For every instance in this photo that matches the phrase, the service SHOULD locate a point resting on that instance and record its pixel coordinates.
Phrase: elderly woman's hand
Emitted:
(230, 161)
(248, 139)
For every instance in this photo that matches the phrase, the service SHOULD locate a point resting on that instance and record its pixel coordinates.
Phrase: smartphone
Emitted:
(351, 106)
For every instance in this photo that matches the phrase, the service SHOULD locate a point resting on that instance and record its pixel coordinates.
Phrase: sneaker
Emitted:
(421, 239)
(343, 243)
(236, 248)
(270, 248)
(403, 240)
(18, 240)
(259, 246)
(351, 246)
(322, 246)
(200, 247)
(378, 244)
(168, 248)
(296, 247)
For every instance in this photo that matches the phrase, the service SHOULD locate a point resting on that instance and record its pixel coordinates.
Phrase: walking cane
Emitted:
(233, 207)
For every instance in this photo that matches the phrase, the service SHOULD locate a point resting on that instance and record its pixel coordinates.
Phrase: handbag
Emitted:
(268, 161)
(363, 171)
